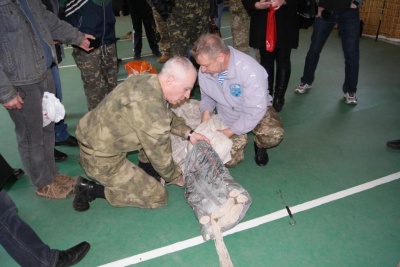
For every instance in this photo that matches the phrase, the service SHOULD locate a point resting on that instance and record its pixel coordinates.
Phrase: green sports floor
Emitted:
(333, 168)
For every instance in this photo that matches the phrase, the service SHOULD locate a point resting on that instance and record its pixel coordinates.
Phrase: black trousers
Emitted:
(141, 14)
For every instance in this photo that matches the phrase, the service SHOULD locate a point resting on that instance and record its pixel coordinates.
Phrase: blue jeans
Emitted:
(19, 239)
(35, 142)
(349, 29)
(61, 132)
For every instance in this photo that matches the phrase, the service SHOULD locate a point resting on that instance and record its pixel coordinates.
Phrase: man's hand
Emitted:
(181, 182)
(262, 4)
(319, 13)
(16, 103)
(227, 132)
(196, 137)
(205, 116)
(85, 45)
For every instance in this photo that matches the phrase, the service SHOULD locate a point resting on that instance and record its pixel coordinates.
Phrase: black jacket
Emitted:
(287, 24)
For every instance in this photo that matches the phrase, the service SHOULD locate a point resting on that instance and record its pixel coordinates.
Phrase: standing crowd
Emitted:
(246, 93)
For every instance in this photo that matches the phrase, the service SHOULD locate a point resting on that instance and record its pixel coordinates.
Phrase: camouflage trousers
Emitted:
(186, 23)
(161, 24)
(267, 134)
(99, 72)
(125, 183)
(240, 26)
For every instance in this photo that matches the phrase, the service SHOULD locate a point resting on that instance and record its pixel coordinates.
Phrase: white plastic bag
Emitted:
(52, 109)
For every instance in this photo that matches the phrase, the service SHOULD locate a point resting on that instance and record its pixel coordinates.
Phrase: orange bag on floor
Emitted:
(270, 41)
(139, 67)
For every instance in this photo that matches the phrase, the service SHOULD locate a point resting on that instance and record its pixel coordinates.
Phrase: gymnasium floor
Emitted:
(333, 168)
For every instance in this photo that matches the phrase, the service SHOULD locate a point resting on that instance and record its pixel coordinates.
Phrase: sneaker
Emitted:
(136, 56)
(351, 98)
(54, 191)
(164, 58)
(65, 181)
(302, 88)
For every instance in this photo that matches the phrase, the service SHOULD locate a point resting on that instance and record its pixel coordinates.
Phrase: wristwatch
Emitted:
(355, 2)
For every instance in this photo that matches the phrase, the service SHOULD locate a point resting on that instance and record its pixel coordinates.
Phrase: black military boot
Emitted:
(282, 80)
(261, 156)
(148, 168)
(83, 194)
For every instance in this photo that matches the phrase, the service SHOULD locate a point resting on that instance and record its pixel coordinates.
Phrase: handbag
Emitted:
(270, 40)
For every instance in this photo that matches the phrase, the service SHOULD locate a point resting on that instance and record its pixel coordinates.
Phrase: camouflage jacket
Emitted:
(134, 116)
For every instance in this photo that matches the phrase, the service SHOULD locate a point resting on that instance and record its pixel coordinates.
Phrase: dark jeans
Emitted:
(35, 142)
(349, 29)
(61, 132)
(19, 240)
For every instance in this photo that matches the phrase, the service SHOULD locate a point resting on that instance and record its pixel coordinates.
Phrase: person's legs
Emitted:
(93, 82)
(19, 240)
(125, 184)
(267, 60)
(137, 33)
(239, 142)
(187, 21)
(149, 25)
(164, 43)
(267, 134)
(240, 26)
(35, 142)
(322, 29)
(60, 128)
(283, 70)
(349, 28)
(109, 68)
(177, 25)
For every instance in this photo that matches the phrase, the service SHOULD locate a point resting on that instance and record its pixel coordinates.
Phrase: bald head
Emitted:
(177, 78)
(178, 67)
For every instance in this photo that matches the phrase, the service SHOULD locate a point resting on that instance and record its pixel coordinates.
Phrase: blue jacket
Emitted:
(95, 17)
(22, 60)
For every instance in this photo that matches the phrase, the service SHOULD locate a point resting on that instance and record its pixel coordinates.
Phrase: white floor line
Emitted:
(253, 223)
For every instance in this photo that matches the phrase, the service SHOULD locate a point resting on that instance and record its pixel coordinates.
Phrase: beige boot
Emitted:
(164, 58)
(54, 191)
(65, 181)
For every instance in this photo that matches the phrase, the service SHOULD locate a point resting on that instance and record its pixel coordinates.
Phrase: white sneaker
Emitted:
(302, 88)
(351, 98)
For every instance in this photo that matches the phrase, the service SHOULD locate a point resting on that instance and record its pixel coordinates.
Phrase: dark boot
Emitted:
(72, 255)
(17, 174)
(261, 156)
(271, 86)
(148, 168)
(83, 194)
(8, 174)
(282, 80)
(59, 156)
